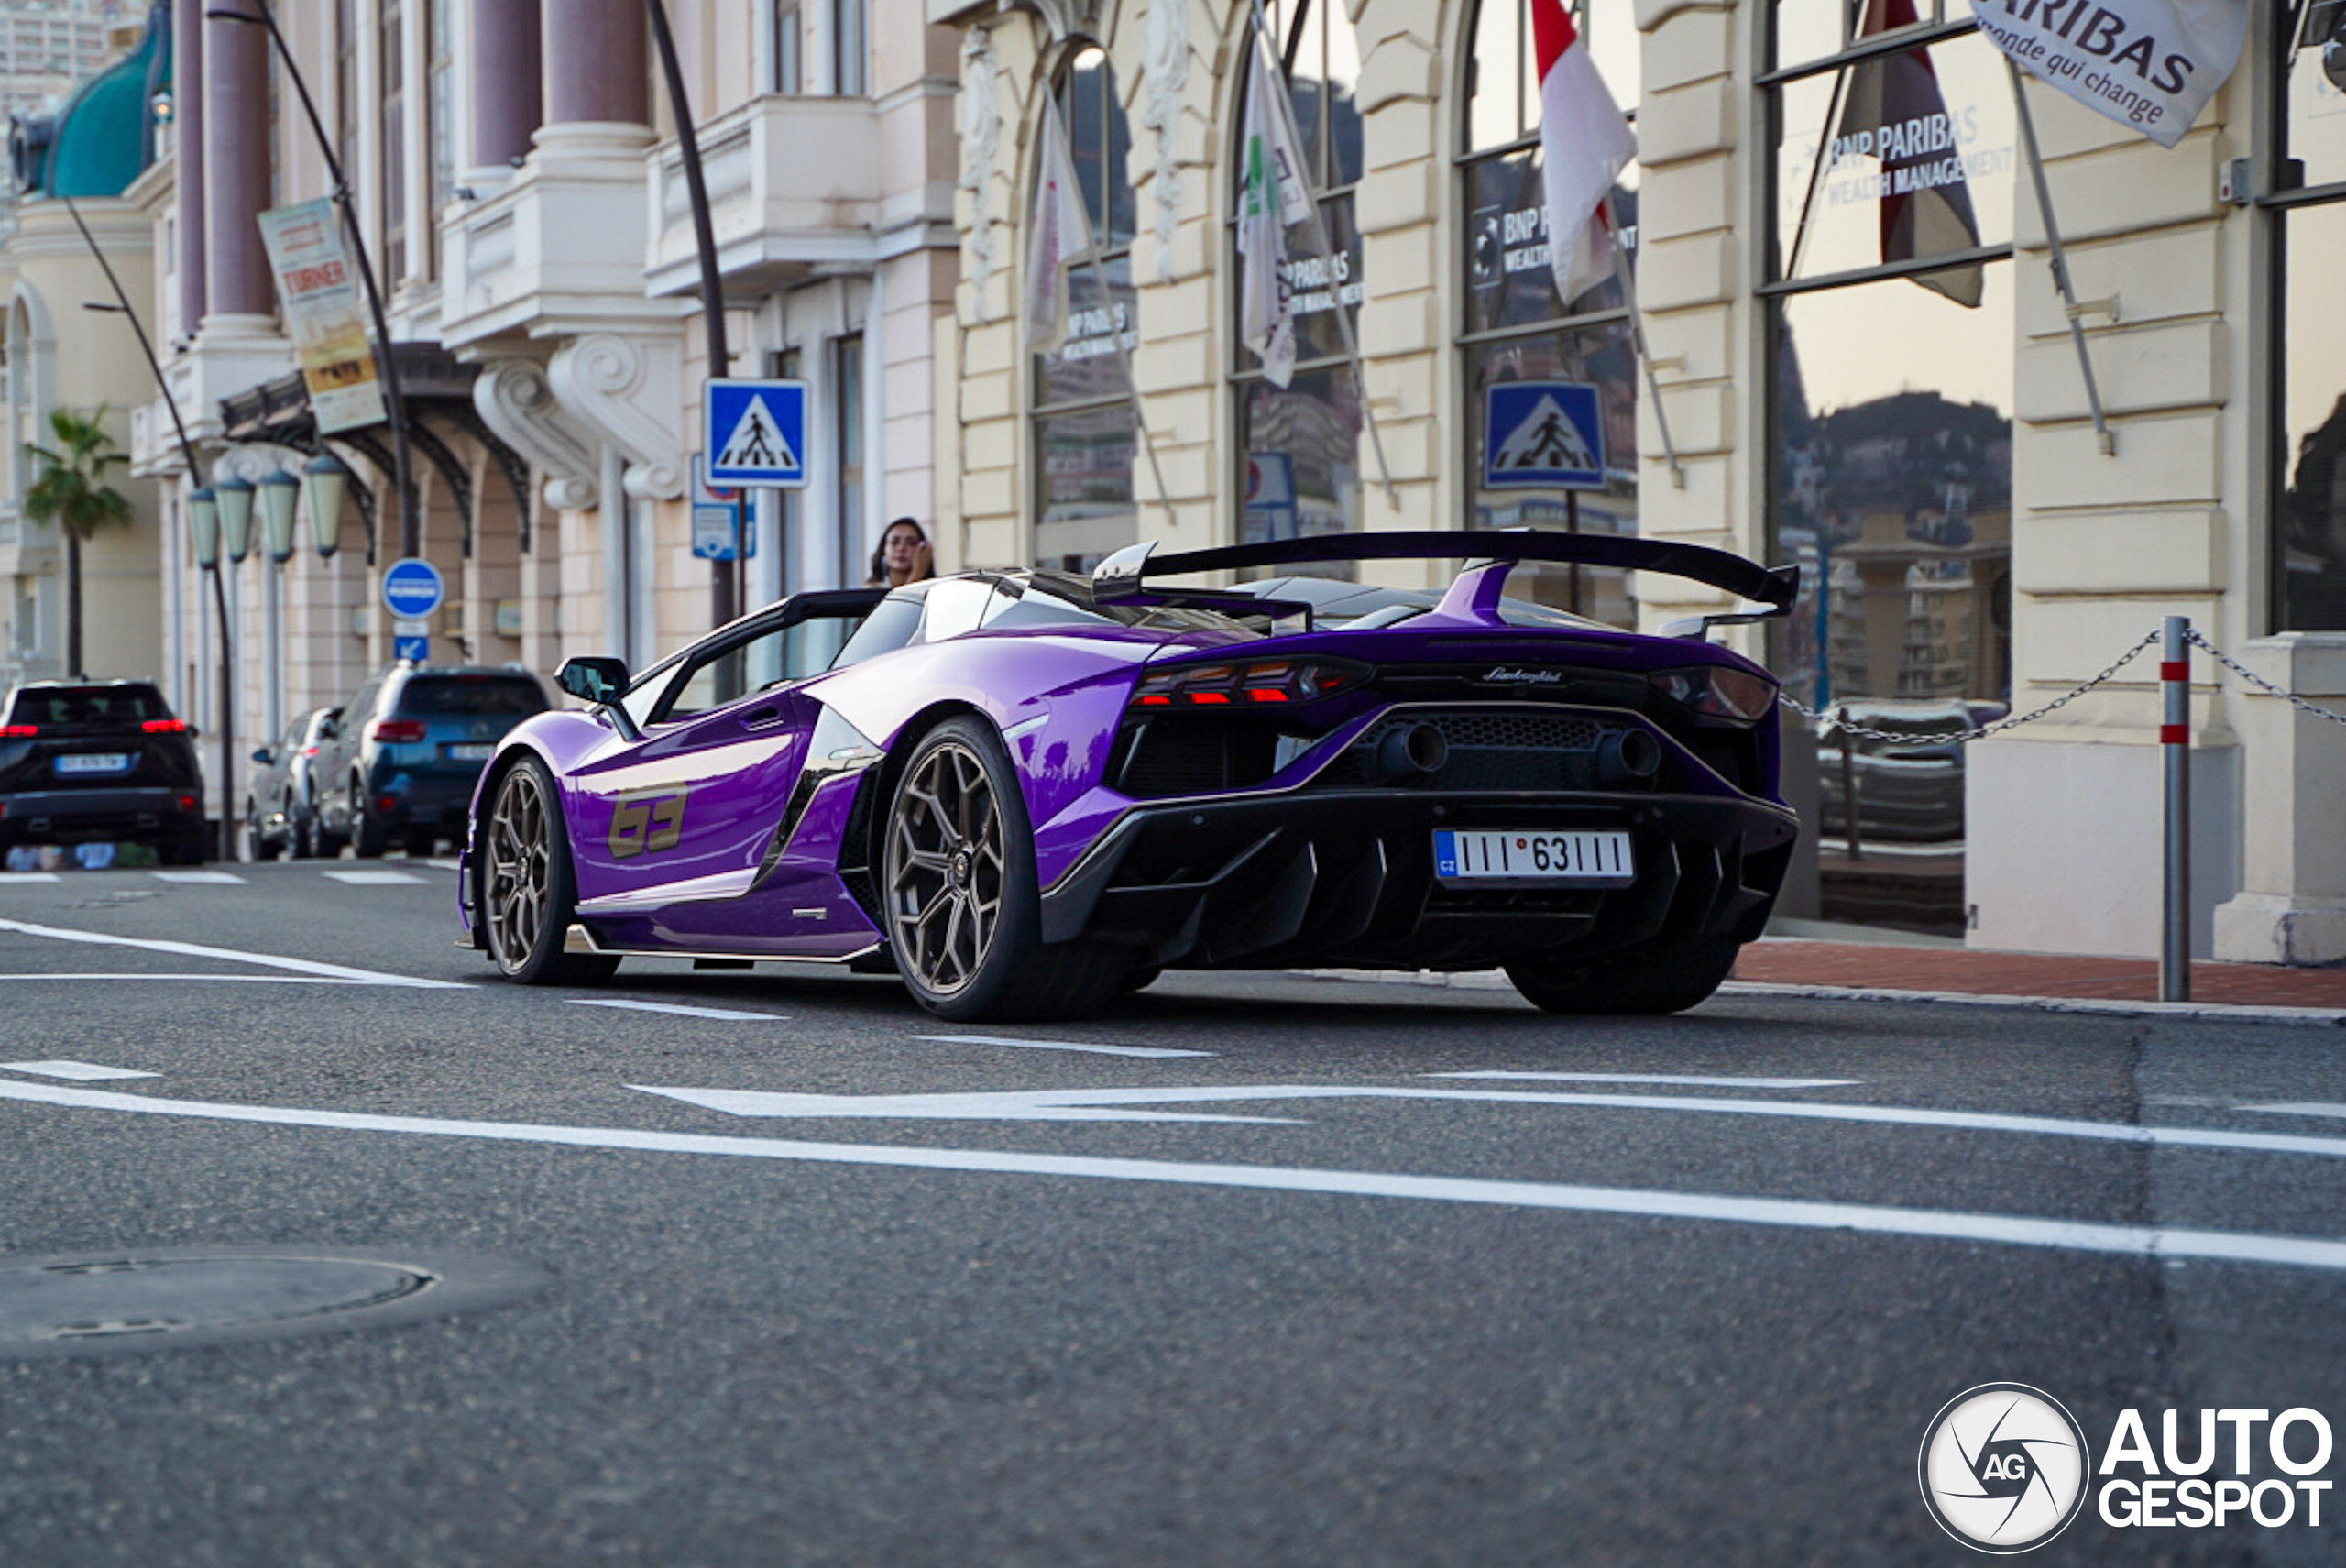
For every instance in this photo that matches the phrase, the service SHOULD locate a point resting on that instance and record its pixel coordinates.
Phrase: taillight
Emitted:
(309, 751)
(396, 729)
(1719, 690)
(19, 731)
(165, 727)
(1258, 683)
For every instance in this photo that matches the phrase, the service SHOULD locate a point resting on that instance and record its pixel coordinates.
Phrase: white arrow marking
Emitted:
(1073, 1104)
(1664, 1078)
(2146, 1241)
(267, 960)
(80, 1071)
(678, 1008)
(1059, 1045)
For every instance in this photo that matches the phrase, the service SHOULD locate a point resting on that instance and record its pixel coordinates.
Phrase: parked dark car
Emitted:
(100, 763)
(400, 765)
(281, 803)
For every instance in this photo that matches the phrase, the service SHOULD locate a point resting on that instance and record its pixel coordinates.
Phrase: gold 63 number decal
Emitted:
(646, 821)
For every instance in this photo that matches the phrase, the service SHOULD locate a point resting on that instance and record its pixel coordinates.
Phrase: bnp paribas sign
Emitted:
(2151, 65)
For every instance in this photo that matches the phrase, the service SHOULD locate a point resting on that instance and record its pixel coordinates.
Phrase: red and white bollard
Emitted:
(2175, 743)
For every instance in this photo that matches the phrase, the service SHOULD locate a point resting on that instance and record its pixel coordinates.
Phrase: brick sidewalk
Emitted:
(1889, 967)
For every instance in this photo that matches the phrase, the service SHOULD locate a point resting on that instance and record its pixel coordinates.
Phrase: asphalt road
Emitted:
(1275, 1272)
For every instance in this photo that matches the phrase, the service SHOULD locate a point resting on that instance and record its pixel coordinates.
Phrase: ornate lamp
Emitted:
(323, 480)
(235, 496)
(203, 525)
(281, 492)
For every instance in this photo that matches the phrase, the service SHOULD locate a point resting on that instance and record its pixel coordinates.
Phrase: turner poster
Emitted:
(2151, 65)
(323, 313)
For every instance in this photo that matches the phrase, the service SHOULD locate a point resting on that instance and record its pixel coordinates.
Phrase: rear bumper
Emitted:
(143, 815)
(1346, 878)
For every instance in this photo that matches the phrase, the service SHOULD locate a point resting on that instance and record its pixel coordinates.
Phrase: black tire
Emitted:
(527, 889)
(962, 911)
(1643, 981)
(368, 837)
(183, 852)
(301, 831)
(256, 846)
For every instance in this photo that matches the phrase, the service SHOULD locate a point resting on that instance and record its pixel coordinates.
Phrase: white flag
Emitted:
(1273, 197)
(1058, 235)
(1583, 145)
(2151, 65)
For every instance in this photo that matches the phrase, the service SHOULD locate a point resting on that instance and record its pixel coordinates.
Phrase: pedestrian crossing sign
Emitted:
(1549, 433)
(755, 433)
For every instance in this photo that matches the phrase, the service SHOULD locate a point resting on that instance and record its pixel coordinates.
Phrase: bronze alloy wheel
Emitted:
(946, 868)
(518, 884)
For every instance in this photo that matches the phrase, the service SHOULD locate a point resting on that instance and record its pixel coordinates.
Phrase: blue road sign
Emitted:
(416, 648)
(754, 433)
(722, 532)
(1550, 433)
(411, 588)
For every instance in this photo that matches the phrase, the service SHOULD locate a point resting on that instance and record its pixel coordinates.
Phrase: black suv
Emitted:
(399, 767)
(98, 761)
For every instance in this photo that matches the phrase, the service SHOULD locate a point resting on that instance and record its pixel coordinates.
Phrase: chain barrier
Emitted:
(1816, 716)
(2253, 679)
(2191, 635)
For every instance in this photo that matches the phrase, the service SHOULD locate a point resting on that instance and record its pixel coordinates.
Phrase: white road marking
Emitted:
(219, 978)
(1075, 1105)
(216, 878)
(1059, 1046)
(440, 865)
(266, 961)
(374, 879)
(2299, 1108)
(2149, 1241)
(79, 1071)
(27, 876)
(1664, 1078)
(677, 1009)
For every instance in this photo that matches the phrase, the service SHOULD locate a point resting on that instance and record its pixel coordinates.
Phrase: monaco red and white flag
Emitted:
(2151, 65)
(1058, 235)
(1584, 145)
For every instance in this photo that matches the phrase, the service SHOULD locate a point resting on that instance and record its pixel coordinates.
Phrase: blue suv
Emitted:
(398, 765)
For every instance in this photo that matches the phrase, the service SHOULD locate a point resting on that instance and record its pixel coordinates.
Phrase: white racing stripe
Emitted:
(1664, 1078)
(266, 961)
(2076, 1235)
(676, 1008)
(1059, 1045)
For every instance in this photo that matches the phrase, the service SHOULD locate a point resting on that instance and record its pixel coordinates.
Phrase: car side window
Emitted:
(956, 605)
(359, 707)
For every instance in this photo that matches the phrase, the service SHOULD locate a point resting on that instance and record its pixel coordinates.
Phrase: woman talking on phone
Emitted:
(903, 556)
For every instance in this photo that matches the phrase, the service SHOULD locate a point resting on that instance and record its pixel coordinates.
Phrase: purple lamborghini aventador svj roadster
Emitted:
(1025, 790)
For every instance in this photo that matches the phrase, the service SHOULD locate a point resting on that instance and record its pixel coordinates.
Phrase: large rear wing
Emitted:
(1125, 574)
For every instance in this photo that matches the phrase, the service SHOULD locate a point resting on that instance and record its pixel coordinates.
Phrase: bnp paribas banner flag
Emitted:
(324, 315)
(2151, 65)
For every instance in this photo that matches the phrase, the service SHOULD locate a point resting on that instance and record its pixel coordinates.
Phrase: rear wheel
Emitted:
(963, 910)
(1642, 981)
(256, 841)
(368, 837)
(301, 831)
(528, 893)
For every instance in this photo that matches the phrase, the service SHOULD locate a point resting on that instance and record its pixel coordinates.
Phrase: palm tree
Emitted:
(71, 492)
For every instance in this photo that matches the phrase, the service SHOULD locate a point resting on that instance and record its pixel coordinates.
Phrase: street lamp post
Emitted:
(386, 366)
(202, 519)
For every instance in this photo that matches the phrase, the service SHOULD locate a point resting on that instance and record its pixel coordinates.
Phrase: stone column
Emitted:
(508, 92)
(236, 172)
(187, 136)
(597, 55)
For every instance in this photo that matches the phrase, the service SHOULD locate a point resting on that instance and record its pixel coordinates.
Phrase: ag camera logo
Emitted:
(2004, 1467)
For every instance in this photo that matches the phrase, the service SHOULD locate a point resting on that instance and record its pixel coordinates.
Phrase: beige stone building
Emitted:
(1858, 359)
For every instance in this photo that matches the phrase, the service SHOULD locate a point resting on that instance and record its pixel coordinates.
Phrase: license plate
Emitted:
(470, 753)
(1579, 859)
(93, 762)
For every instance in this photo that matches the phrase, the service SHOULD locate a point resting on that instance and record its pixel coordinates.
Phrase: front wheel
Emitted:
(963, 910)
(528, 893)
(1642, 981)
(256, 841)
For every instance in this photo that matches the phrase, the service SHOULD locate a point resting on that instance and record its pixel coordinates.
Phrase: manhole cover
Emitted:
(160, 1297)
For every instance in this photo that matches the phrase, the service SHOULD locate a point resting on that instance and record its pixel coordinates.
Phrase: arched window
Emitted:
(1516, 335)
(1299, 446)
(1084, 432)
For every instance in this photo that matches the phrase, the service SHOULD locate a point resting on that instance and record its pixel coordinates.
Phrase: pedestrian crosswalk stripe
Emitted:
(373, 879)
(216, 878)
(78, 1071)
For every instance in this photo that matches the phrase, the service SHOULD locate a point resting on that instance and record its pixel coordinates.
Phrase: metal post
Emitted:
(2175, 743)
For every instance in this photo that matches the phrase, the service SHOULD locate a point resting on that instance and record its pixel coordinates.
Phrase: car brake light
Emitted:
(309, 751)
(19, 731)
(1718, 690)
(1256, 682)
(165, 727)
(396, 729)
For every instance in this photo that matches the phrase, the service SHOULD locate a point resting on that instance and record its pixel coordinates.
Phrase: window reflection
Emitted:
(2312, 546)
(2314, 89)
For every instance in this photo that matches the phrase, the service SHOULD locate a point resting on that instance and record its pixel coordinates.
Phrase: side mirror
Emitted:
(263, 756)
(597, 681)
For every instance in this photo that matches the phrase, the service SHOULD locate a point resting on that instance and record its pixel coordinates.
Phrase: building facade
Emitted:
(1857, 359)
